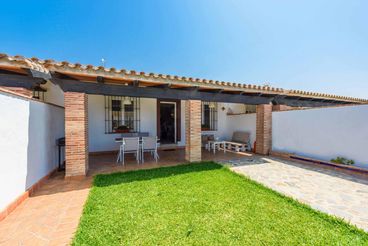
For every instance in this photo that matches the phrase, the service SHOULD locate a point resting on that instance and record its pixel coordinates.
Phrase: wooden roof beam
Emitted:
(38, 74)
(163, 86)
(154, 92)
(59, 75)
(189, 88)
(28, 82)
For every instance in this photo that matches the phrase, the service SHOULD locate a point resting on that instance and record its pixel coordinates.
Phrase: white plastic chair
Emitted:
(149, 144)
(129, 145)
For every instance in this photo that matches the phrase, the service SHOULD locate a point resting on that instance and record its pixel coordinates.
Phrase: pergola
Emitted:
(77, 81)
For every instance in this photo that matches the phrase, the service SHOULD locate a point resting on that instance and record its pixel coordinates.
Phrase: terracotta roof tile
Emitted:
(48, 64)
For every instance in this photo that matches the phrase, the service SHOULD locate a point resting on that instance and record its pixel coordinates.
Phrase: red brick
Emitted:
(76, 134)
(193, 130)
(264, 129)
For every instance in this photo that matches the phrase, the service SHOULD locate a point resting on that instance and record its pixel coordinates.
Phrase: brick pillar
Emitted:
(76, 134)
(264, 129)
(281, 108)
(193, 151)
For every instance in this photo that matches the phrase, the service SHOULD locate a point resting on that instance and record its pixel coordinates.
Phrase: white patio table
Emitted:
(216, 144)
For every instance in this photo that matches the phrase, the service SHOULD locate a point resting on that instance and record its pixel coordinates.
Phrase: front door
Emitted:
(167, 122)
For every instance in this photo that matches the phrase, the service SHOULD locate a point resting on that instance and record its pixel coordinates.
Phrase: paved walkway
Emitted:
(49, 217)
(324, 189)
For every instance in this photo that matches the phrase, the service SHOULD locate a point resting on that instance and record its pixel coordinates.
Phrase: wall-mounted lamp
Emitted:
(127, 101)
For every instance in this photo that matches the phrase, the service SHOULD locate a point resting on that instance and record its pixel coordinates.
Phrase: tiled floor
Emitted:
(106, 163)
(51, 215)
(325, 189)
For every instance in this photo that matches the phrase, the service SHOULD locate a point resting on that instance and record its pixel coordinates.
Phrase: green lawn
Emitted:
(201, 204)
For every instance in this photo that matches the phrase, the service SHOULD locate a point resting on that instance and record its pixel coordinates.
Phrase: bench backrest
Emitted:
(240, 137)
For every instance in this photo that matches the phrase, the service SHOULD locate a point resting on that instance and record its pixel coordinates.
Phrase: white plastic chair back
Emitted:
(131, 144)
(149, 143)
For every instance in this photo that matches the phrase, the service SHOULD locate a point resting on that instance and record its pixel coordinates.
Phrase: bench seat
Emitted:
(240, 141)
(236, 146)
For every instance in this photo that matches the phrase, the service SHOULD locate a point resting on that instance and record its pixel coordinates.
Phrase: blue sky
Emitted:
(310, 45)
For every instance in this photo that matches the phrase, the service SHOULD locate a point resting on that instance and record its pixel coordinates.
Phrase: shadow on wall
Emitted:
(45, 126)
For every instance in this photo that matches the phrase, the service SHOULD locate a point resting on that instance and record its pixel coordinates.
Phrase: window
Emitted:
(209, 116)
(122, 114)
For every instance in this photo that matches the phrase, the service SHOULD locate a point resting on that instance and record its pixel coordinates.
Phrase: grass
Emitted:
(201, 204)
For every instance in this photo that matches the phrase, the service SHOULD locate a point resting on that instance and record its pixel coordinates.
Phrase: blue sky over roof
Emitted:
(311, 45)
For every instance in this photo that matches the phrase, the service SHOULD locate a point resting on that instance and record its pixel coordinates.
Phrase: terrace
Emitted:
(52, 214)
(106, 162)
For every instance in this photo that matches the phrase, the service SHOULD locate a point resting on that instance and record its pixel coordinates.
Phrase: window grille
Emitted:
(209, 116)
(122, 114)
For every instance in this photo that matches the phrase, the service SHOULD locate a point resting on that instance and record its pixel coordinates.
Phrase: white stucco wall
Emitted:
(222, 128)
(99, 141)
(243, 122)
(54, 94)
(28, 133)
(227, 124)
(323, 133)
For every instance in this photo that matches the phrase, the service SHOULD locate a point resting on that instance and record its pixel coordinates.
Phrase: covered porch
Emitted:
(92, 131)
(106, 162)
(90, 106)
(90, 119)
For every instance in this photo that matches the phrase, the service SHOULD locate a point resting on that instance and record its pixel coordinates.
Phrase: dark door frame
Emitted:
(178, 117)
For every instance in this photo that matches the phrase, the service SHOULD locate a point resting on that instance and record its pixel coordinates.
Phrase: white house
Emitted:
(42, 101)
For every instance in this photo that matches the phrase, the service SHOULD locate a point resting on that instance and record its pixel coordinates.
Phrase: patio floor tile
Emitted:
(40, 219)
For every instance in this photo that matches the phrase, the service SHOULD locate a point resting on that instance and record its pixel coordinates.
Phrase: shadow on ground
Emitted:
(337, 173)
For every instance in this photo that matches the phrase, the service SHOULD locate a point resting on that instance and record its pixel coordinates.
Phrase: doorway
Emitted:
(167, 122)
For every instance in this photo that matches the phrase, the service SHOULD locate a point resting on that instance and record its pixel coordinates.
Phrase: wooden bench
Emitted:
(236, 146)
(240, 141)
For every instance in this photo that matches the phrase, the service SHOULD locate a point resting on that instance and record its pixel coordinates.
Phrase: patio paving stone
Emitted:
(324, 189)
